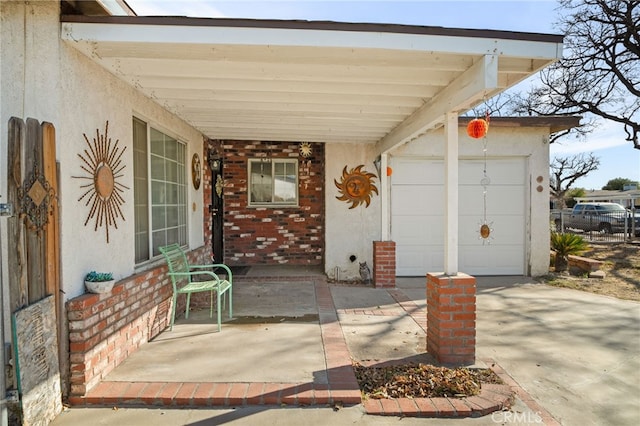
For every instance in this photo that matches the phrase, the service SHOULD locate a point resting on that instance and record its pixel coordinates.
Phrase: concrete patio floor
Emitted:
(574, 357)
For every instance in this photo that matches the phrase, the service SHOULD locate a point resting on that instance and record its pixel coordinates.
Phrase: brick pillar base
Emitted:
(384, 264)
(451, 318)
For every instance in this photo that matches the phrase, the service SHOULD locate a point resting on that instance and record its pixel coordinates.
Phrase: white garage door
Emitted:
(417, 216)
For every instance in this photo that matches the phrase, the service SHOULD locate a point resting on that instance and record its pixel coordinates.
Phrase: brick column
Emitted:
(384, 264)
(451, 318)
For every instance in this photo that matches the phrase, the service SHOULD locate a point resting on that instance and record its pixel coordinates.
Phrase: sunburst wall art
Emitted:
(102, 161)
(356, 186)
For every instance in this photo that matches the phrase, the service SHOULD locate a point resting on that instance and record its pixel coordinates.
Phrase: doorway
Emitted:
(217, 210)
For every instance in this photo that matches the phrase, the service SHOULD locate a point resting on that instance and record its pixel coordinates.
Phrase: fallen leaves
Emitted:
(421, 381)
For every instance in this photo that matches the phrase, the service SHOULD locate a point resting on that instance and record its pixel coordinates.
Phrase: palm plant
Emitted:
(565, 245)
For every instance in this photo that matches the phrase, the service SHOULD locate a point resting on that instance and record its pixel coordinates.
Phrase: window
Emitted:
(273, 182)
(160, 190)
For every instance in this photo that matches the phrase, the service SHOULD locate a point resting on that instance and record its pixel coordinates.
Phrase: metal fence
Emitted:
(610, 227)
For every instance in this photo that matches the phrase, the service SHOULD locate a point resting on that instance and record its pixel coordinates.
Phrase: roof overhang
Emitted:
(309, 81)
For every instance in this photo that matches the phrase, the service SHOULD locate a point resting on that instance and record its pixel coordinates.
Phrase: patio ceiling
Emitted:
(309, 81)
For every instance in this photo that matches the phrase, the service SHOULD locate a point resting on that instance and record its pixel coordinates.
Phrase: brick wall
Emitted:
(384, 263)
(451, 318)
(104, 329)
(281, 235)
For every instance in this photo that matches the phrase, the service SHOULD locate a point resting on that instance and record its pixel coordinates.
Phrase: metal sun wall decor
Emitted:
(356, 186)
(103, 163)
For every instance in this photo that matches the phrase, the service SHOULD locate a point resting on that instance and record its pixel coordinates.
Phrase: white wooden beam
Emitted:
(468, 89)
(451, 202)
(484, 43)
(384, 199)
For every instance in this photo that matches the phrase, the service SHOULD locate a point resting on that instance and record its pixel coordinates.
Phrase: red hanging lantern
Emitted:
(477, 128)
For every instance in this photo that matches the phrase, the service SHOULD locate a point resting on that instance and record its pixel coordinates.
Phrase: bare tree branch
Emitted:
(600, 73)
(565, 171)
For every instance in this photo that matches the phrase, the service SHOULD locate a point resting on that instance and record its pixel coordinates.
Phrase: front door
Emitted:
(217, 212)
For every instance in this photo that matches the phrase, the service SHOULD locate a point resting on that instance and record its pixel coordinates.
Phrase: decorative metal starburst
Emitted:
(103, 163)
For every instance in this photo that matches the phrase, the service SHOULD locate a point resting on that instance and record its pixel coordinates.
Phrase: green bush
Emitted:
(565, 245)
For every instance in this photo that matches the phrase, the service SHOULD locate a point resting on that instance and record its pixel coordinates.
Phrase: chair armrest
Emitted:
(192, 273)
(215, 265)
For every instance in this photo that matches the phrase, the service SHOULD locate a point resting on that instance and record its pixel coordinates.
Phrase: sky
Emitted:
(617, 157)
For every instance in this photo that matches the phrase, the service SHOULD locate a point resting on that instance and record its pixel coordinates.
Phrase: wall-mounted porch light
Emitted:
(214, 160)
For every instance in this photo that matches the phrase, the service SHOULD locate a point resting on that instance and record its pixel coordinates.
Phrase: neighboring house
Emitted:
(629, 198)
(253, 139)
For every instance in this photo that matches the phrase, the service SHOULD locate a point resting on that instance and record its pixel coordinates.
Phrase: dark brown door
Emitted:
(217, 212)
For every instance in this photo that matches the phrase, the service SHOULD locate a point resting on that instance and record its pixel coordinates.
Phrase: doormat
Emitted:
(235, 270)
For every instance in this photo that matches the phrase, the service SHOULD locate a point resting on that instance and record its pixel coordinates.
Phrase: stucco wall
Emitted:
(349, 231)
(531, 143)
(51, 81)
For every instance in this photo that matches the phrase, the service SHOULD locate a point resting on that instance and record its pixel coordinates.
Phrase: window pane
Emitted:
(157, 167)
(140, 188)
(285, 183)
(261, 182)
(158, 217)
(156, 142)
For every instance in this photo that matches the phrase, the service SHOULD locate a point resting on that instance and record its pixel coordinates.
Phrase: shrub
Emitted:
(565, 245)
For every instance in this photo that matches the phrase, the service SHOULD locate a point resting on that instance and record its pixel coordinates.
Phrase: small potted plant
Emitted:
(99, 282)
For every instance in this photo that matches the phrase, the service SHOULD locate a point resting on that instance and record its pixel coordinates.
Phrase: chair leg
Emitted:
(173, 311)
(231, 302)
(219, 313)
(211, 309)
(186, 313)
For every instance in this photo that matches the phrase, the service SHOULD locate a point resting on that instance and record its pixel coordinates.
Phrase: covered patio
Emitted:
(374, 85)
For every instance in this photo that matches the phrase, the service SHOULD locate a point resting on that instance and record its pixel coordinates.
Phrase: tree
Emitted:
(618, 184)
(600, 73)
(566, 170)
(572, 194)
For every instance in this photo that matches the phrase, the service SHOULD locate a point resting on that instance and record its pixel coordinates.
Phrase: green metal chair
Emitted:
(181, 273)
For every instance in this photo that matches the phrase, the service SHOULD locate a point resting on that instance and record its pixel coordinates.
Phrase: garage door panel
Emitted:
(501, 172)
(418, 260)
(418, 220)
(504, 230)
(417, 199)
(495, 260)
(413, 230)
(418, 171)
(501, 199)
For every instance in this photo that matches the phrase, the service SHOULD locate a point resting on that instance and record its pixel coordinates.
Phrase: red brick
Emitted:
(237, 393)
(185, 394)
(408, 406)
(202, 394)
(272, 393)
(426, 407)
(390, 407)
(444, 407)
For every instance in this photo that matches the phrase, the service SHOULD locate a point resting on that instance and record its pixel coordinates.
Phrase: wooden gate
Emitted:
(33, 231)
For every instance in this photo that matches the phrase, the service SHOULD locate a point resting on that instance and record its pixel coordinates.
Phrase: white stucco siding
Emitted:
(51, 81)
(349, 231)
(94, 97)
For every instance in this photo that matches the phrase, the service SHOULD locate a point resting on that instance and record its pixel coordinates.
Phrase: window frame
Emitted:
(273, 161)
(180, 179)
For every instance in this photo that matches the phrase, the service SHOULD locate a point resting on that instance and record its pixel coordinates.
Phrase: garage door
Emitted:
(417, 216)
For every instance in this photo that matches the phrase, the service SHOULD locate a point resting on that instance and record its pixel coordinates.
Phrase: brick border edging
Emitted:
(492, 398)
(211, 394)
